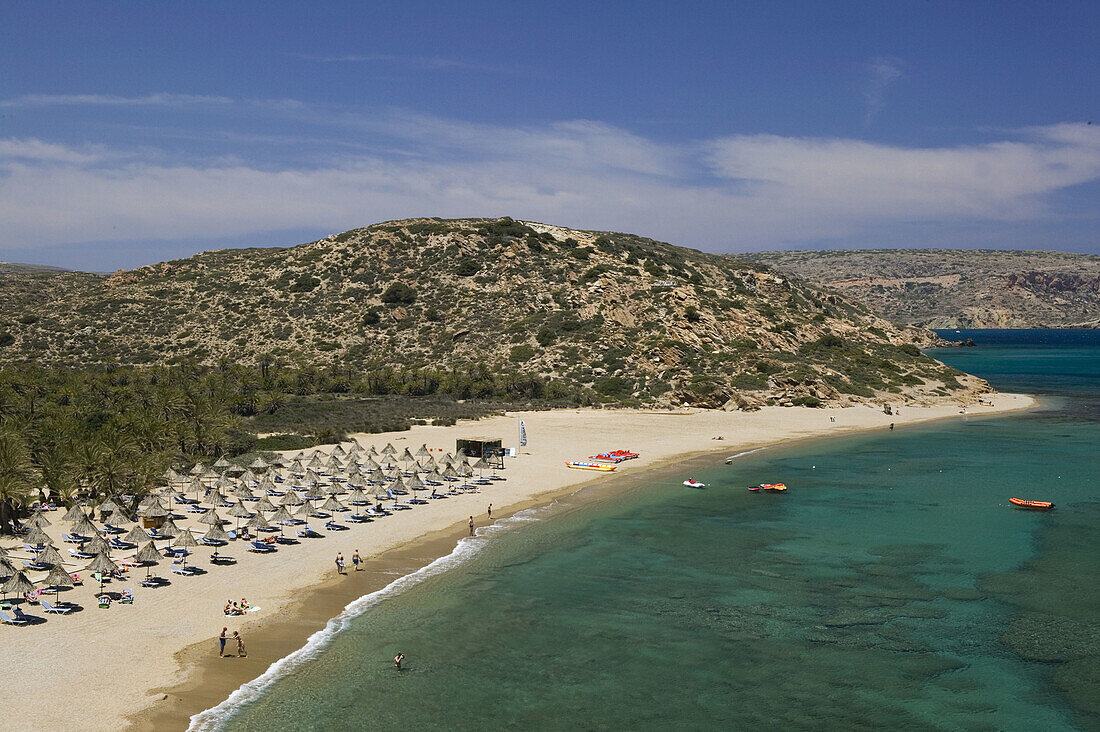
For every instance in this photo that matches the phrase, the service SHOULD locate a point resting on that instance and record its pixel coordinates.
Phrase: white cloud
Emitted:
(882, 72)
(107, 100)
(742, 192)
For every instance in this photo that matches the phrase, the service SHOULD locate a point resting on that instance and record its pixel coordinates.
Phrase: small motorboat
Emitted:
(777, 487)
(754, 488)
(1031, 505)
(692, 483)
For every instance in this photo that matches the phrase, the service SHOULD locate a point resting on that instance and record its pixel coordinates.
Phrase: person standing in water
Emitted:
(397, 660)
(340, 562)
(221, 643)
(240, 644)
(471, 526)
(490, 512)
(355, 560)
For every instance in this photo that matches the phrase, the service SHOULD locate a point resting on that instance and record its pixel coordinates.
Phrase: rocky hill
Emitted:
(951, 288)
(618, 317)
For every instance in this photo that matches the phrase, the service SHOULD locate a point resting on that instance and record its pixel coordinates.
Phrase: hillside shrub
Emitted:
(521, 353)
(305, 283)
(399, 294)
(467, 268)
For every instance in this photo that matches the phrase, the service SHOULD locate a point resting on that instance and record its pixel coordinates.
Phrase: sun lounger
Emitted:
(280, 539)
(56, 610)
(308, 533)
(153, 581)
(195, 508)
(359, 518)
(127, 598)
(223, 559)
(72, 538)
(120, 545)
(181, 570)
(35, 566)
(104, 601)
(77, 554)
(333, 526)
(10, 620)
(211, 542)
(260, 547)
(113, 529)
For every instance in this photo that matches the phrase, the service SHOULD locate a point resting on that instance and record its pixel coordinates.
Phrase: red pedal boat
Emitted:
(1031, 505)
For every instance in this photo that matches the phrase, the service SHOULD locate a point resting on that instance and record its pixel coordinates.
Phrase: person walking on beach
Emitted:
(240, 645)
(471, 526)
(221, 643)
(340, 562)
(490, 512)
(397, 660)
(355, 560)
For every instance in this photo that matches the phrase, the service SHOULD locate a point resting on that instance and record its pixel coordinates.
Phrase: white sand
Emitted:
(90, 669)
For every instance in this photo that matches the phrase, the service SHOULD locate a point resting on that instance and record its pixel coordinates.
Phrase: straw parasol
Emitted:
(169, 528)
(117, 519)
(332, 504)
(216, 533)
(357, 496)
(197, 469)
(221, 463)
(7, 569)
(257, 522)
(423, 451)
(17, 584)
(38, 521)
(263, 504)
(75, 513)
(185, 539)
(242, 491)
(258, 464)
(306, 509)
(96, 545)
(238, 511)
(154, 511)
(102, 564)
(36, 537)
(57, 578)
(135, 535)
(108, 506)
(85, 527)
(149, 556)
(416, 483)
(389, 450)
(281, 514)
(211, 517)
(50, 556)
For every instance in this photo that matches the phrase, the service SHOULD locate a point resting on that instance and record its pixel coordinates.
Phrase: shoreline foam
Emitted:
(163, 641)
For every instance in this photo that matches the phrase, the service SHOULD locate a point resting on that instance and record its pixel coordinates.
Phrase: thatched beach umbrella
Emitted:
(389, 450)
(314, 493)
(332, 504)
(216, 533)
(185, 539)
(211, 517)
(135, 535)
(50, 556)
(357, 496)
(154, 511)
(118, 518)
(263, 504)
(221, 463)
(17, 584)
(103, 565)
(423, 452)
(238, 512)
(96, 545)
(85, 527)
(259, 464)
(57, 578)
(149, 556)
(306, 509)
(281, 514)
(75, 513)
(197, 469)
(109, 506)
(257, 522)
(416, 483)
(242, 491)
(38, 521)
(36, 537)
(169, 528)
(7, 569)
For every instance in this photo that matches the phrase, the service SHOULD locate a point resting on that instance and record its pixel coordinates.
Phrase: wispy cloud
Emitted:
(882, 72)
(739, 192)
(108, 100)
(423, 63)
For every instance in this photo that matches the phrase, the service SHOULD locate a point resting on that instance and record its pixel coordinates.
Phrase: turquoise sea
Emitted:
(891, 587)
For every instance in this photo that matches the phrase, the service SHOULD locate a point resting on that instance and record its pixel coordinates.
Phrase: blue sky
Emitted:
(136, 132)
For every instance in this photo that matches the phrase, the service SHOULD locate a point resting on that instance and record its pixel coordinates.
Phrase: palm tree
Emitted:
(17, 476)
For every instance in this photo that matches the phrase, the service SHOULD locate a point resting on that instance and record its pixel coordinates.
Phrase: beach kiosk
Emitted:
(484, 448)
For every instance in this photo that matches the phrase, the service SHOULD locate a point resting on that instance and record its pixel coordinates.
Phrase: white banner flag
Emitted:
(522, 434)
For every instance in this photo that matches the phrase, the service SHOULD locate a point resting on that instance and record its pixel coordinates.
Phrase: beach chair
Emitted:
(77, 554)
(194, 508)
(127, 598)
(260, 547)
(47, 606)
(32, 597)
(181, 570)
(223, 559)
(151, 581)
(77, 580)
(35, 566)
(71, 539)
(333, 526)
(100, 577)
(104, 600)
(17, 620)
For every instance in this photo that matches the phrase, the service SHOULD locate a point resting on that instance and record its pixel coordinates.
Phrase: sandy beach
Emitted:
(148, 665)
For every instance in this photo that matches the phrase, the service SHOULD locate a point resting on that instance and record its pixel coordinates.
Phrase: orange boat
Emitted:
(1031, 505)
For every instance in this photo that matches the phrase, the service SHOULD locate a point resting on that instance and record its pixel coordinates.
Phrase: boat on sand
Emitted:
(584, 465)
(1031, 505)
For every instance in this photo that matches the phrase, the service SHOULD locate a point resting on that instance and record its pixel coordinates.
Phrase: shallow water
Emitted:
(890, 587)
